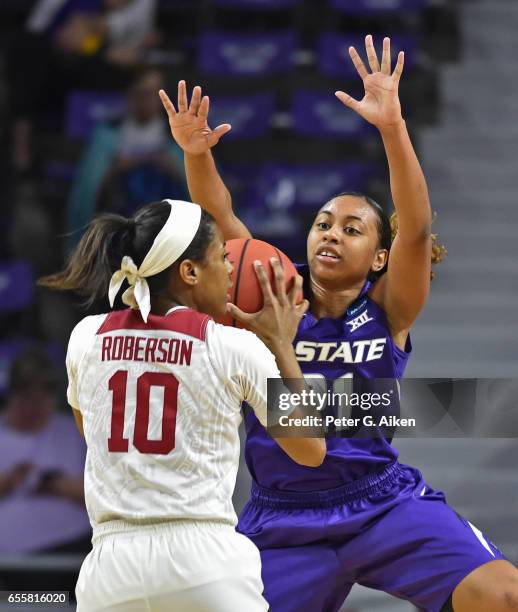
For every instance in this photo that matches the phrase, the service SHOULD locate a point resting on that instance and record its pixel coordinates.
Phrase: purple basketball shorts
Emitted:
(389, 531)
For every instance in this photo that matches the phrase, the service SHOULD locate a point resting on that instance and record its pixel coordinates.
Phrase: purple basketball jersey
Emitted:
(358, 344)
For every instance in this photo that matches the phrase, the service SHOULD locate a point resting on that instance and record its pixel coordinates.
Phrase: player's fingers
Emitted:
(182, 97)
(222, 129)
(348, 100)
(203, 110)
(214, 136)
(385, 58)
(295, 290)
(280, 284)
(264, 282)
(371, 54)
(195, 100)
(398, 70)
(303, 307)
(358, 63)
(238, 314)
(168, 105)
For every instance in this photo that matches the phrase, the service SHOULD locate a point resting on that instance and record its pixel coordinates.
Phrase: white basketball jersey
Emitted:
(161, 407)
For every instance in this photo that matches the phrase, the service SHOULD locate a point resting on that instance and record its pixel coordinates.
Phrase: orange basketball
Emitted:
(246, 291)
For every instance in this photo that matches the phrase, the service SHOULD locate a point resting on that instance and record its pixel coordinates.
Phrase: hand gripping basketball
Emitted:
(276, 323)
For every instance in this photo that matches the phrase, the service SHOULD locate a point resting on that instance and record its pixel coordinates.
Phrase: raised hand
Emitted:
(189, 125)
(276, 323)
(380, 104)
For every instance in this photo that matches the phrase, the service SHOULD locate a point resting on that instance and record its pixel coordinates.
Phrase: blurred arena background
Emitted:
(82, 132)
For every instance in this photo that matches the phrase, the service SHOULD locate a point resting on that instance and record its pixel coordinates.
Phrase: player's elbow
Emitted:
(315, 453)
(309, 452)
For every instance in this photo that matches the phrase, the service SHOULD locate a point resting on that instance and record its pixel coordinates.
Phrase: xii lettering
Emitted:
(359, 321)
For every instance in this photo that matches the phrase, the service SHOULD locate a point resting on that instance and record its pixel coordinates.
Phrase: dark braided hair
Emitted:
(108, 238)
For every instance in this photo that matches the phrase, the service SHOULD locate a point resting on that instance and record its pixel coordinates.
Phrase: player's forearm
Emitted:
(407, 183)
(308, 451)
(206, 185)
(207, 189)
(289, 367)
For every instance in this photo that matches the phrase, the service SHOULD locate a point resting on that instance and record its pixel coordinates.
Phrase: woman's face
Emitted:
(212, 290)
(343, 243)
(143, 101)
(31, 407)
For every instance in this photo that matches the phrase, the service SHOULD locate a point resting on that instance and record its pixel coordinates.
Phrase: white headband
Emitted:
(172, 240)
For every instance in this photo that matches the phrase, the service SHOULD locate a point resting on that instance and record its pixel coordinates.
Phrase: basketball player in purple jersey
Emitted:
(361, 516)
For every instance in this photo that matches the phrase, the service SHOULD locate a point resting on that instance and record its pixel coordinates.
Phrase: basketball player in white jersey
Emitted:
(157, 390)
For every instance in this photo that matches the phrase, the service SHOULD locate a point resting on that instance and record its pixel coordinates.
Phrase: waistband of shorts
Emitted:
(336, 496)
(153, 526)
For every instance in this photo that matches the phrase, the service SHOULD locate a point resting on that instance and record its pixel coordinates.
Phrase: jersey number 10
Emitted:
(118, 384)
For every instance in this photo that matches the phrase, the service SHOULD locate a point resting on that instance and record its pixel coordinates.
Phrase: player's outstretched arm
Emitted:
(276, 325)
(190, 129)
(403, 290)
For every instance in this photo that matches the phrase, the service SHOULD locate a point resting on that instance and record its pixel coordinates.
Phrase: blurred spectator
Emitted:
(41, 465)
(124, 27)
(31, 235)
(71, 44)
(129, 163)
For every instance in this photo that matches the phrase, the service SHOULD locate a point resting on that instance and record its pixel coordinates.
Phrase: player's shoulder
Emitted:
(180, 320)
(82, 337)
(234, 348)
(231, 337)
(87, 327)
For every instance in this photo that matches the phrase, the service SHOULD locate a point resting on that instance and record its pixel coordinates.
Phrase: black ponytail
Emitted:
(108, 238)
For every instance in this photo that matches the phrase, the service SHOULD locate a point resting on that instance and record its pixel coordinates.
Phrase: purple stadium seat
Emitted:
(286, 186)
(239, 175)
(269, 206)
(250, 116)
(16, 286)
(267, 5)
(321, 115)
(231, 54)
(333, 51)
(378, 7)
(87, 108)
